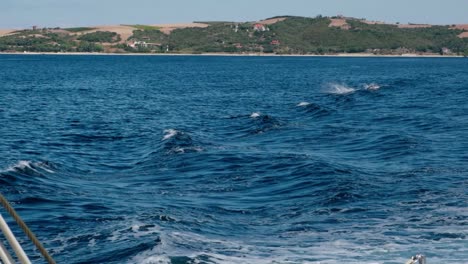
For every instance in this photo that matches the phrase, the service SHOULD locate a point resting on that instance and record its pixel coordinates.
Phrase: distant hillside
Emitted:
(278, 35)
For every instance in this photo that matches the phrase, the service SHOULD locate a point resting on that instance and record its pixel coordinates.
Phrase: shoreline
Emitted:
(342, 55)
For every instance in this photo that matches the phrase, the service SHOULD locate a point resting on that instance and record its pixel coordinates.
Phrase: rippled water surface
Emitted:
(129, 159)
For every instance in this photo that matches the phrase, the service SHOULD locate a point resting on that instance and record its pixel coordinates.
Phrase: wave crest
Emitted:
(264, 123)
(169, 133)
(371, 86)
(176, 141)
(27, 167)
(255, 115)
(302, 104)
(336, 88)
(313, 109)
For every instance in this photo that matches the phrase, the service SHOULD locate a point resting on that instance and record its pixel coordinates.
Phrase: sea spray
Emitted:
(371, 86)
(336, 88)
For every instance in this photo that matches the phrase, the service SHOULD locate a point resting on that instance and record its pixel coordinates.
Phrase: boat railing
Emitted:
(5, 255)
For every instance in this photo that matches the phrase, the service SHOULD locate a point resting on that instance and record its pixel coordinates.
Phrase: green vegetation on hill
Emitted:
(389, 37)
(313, 35)
(151, 35)
(144, 27)
(85, 46)
(300, 35)
(219, 37)
(294, 35)
(79, 29)
(35, 41)
(214, 22)
(100, 36)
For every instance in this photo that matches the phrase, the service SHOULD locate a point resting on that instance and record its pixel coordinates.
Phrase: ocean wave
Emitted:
(343, 89)
(313, 108)
(255, 115)
(371, 86)
(26, 173)
(302, 104)
(172, 143)
(264, 123)
(336, 88)
(31, 167)
(174, 249)
(175, 141)
(292, 170)
(169, 133)
(83, 138)
(253, 124)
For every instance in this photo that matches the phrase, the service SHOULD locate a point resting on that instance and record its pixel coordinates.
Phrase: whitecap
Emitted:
(92, 242)
(45, 167)
(153, 260)
(182, 150)
(200, 248)
(30, 165)
(303, 104)
(240, 251)
(179, 150)
(371, 86)
(169, 133)
(21, 165)
(255, 115)
(335, 88)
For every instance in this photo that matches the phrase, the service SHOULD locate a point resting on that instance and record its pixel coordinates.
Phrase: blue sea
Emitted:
(256, 160)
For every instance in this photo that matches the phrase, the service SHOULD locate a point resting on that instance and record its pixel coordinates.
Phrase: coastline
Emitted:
(342, 55)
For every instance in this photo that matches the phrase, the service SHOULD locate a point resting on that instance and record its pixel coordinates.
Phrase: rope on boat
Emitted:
(23, 258)
(26, 230)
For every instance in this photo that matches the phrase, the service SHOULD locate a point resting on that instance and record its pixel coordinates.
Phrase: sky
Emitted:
(68, 13)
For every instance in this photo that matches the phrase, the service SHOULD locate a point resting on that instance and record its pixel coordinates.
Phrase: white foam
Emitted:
(190, 149)
(371, 86)
(255, 115)
(92, 242)
(22, 164)
(335, 88)
(303, 104)
(330, 251)
(45, 167)
(27, 164)
(152, 260)
(356, 247)
(135, 228)
(240, 251)
(169, 133)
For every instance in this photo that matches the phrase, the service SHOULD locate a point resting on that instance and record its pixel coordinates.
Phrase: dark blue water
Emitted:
(128, 159)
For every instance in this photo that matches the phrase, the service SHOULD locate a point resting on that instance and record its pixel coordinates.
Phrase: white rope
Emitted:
(5, 255)
(23, 258)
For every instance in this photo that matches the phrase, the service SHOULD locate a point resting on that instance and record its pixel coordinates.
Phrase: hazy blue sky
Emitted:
(24, 13)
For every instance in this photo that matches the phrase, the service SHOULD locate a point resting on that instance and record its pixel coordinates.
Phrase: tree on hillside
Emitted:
(85, 46)
(100, 36)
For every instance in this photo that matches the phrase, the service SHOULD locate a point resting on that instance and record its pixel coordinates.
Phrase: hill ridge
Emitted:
(277, 35)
